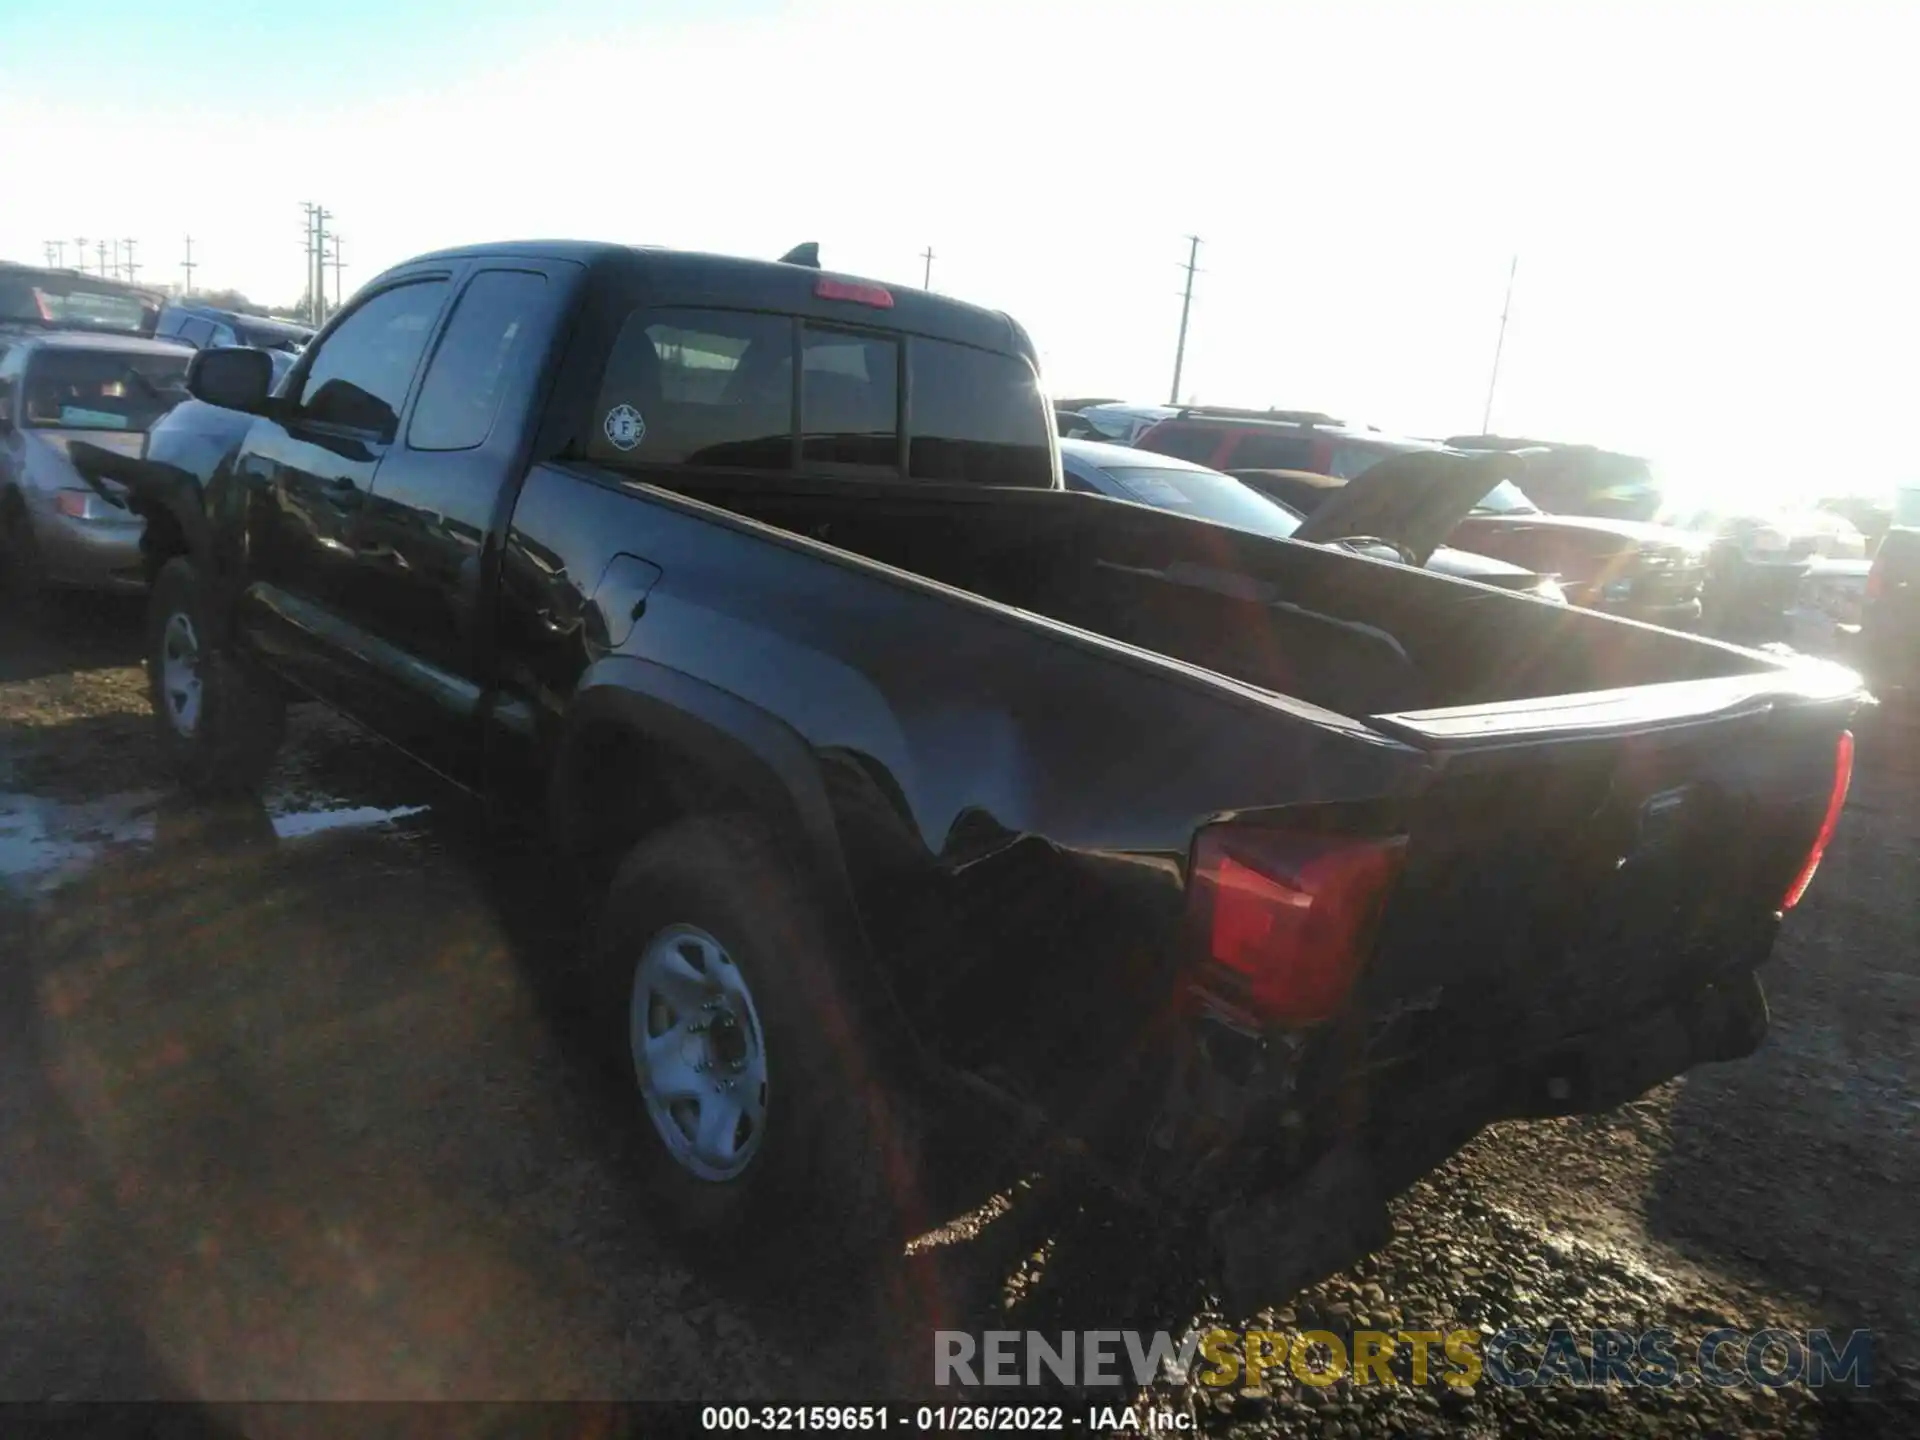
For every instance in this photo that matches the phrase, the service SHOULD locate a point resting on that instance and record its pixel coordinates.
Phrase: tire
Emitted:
(23, 578)
(218, 725)
(829, 1172)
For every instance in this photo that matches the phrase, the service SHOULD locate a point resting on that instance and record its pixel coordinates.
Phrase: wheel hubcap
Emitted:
(699, 1053)
(180, 672)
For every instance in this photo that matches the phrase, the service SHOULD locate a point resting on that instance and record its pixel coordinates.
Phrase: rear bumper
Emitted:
(91, 554)
(1269, 1245)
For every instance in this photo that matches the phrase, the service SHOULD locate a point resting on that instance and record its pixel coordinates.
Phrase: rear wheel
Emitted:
(742, 1055)
(219, 725)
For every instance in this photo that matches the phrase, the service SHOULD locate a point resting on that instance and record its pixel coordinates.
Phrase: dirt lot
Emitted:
(286, 1111)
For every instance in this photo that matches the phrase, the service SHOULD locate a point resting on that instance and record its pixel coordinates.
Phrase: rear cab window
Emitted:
(711, 387)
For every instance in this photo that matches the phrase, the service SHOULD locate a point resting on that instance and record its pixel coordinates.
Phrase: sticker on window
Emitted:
(624, 427)
(78, 416)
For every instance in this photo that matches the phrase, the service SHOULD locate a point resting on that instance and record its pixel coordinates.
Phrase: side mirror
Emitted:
(233, 378)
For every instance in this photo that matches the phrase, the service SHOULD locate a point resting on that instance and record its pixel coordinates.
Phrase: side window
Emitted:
(475, 359)
(1184, 442)
(197, 333)
(697, 387)
(6, 387)
(1273, 452)
(977, 417)
(849, 399)
(223, 335)
(360, 374)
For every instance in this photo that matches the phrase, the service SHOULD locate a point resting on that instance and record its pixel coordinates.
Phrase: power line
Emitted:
(1506, 306)
(1186, 308)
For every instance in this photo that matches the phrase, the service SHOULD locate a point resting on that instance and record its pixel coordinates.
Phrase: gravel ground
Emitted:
(285, 1112)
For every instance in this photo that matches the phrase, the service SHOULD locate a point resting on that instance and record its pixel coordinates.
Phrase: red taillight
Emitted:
(877, 296)
(1287, 918)
(1836, 801)
(1877, 576)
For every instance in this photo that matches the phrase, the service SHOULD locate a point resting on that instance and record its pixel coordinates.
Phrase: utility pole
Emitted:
(317, 218)
(119, 270)
(80, 253)
(133, 270)
(187, 265)
(100, 254)
(46, 247)
(337, 263)
(926, 276)
(1506, 306)
(1186, 308)
(312, 211)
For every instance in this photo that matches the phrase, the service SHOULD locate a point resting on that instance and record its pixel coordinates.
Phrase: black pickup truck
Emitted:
(1263, 873)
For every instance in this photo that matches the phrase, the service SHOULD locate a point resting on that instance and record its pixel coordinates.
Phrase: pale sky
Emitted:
(1713, 206)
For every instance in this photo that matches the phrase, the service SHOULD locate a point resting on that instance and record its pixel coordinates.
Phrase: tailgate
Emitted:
(1578, 861)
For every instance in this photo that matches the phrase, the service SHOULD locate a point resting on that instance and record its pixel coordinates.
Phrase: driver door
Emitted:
(304, 481)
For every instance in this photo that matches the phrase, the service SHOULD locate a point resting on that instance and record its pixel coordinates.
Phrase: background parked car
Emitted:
(1869, 513)
(57, 528)
(33, 298)
(1579, 479)
(1644, 572)
(205, 327)
(1171, 484)
(1761, 581)
(1890, 619)
(1301, 440)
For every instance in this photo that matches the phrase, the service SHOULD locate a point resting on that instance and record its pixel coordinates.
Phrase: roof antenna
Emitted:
(807, 254)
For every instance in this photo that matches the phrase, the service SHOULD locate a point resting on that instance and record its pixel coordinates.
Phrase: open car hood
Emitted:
(1413, 500)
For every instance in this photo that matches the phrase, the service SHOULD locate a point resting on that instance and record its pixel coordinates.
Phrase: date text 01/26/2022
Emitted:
(957, 1419)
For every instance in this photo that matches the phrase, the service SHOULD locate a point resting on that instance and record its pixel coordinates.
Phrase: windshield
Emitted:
(101, 390)
(71, 303)
(1204, 494)
(1506, 498)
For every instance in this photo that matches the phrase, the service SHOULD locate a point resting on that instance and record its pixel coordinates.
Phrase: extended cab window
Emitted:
(697, 387)
(978, 417)
(476, 356)
(360, 373)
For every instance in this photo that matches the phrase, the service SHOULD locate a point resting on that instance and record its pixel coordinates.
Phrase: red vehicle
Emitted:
(1625, 567)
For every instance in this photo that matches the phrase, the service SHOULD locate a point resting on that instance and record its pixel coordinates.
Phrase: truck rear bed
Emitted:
(1613, 811)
